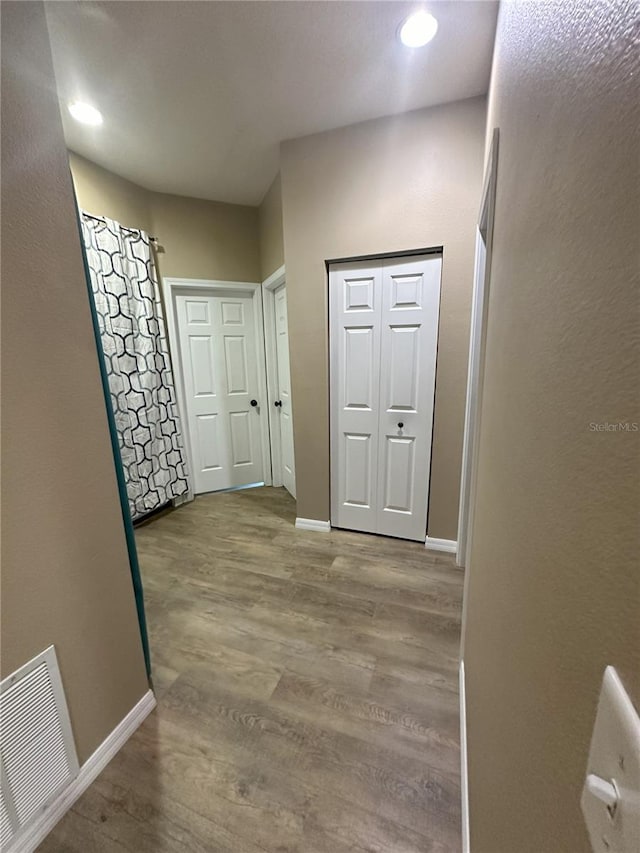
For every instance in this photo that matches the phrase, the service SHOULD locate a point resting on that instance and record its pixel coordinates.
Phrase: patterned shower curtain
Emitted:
(134, 341)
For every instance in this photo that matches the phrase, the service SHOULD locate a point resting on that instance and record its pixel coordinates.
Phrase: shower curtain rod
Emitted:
(126, 228)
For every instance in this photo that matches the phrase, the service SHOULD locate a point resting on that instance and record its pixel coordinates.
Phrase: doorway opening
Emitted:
(217, 342)
(230, 348)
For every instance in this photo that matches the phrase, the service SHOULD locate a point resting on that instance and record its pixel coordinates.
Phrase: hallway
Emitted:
(307, 692)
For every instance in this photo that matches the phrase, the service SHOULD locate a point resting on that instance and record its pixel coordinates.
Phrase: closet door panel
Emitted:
(355, 389)
(409, 336)
(403, 366)
(359, 368)
(398, 486)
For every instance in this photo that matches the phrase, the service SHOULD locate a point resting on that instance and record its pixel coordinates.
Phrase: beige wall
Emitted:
(201, 239)
(206, 239)
(104, 194)
(65, 569)
(554, 593)
(271, 233)
(382, 186)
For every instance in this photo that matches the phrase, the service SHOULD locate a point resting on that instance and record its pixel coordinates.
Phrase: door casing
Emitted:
(477, 346)
(173, 286)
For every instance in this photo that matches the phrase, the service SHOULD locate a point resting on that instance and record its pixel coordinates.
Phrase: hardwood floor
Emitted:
(307, 693)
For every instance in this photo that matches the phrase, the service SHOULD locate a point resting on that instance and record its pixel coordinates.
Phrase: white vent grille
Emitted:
(37, 753)
(6, 824)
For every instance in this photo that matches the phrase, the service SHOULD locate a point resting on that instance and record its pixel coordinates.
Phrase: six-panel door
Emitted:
(384, 329)
(218, 354)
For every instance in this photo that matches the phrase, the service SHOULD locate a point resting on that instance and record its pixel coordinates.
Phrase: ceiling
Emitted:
(196, 96)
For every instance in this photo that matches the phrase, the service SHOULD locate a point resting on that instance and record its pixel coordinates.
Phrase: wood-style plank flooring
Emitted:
(307, 693)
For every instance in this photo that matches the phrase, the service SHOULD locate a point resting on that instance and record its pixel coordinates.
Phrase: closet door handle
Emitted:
(254, 402)
(278, 403)
(400, 424)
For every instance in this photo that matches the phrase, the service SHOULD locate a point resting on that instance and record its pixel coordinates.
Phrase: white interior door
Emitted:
(219, 364)
(384, 333)
(283, 403)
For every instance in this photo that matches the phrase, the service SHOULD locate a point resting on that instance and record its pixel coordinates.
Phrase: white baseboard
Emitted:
(448, 545)
(464, 774)
(313, 524)
(27, 841)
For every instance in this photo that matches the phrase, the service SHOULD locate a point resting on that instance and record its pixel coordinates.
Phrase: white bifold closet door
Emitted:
(219, 364)
(383, 344)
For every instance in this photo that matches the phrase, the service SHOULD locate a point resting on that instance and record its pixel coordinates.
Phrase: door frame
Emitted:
(332, 356)
(269, 287)
(171, 287)
(477, 348)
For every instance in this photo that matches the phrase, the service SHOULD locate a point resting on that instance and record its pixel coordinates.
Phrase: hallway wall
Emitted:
(201, 239)
(206, 239)
(65, 569)
(271, 229)
(398, 183)
(554, 589)
(104, 194)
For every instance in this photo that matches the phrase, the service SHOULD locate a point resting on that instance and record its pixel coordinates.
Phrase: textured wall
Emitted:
(382, 186)
(201, 239)
(65, 568)
(206, 239)
(104, 194)
(554, 586)
(271, 230)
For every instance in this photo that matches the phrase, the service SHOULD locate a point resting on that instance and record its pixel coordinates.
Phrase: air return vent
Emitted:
(6, 824)
(37, 754)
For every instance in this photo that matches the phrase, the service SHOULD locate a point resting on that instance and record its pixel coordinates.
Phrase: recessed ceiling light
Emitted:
(418, 29)
(85, 113)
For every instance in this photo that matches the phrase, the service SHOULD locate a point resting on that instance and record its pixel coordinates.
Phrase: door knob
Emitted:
(254, 402)
(278, 403)
(400, 424)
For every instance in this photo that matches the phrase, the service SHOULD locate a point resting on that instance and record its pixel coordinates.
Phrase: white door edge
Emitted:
(269, 287)
(464, 764)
